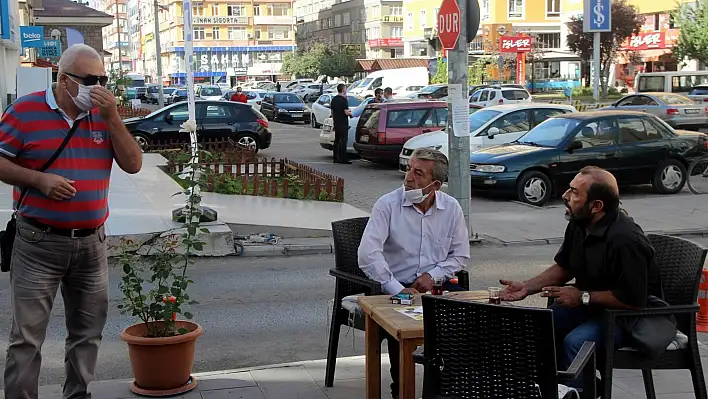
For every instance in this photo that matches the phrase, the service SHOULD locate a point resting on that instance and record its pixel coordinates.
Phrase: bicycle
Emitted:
(698, 175)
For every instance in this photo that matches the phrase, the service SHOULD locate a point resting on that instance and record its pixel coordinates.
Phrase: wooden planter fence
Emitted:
(268, 178)
(226, 151)
(126, 112)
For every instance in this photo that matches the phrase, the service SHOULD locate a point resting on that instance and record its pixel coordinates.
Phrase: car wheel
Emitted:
(248, 140)
(142, 140)
(669, 177)
(534, 188)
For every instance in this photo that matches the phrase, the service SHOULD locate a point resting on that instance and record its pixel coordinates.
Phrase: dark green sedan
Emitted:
(638, 148)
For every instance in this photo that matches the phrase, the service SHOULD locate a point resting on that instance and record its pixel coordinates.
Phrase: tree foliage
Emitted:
(625, 22)
(475, 72)
(693, 21)
(319, 60)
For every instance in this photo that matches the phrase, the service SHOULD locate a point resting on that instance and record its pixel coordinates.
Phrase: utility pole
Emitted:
(158, 56)
(596, 64)
(120, 56)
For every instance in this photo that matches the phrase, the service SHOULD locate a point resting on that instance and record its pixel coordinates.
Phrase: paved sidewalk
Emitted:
(305, 380)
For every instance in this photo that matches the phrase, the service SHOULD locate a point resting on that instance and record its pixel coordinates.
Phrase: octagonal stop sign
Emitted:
(449, 20)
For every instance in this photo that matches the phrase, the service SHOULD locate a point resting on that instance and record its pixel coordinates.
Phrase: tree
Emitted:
(475, 72)
(693, 21)
(625, 23)
(319, 60)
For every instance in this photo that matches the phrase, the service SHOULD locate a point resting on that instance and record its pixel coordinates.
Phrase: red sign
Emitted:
(390, 42)
(449, 20)
(646, 41)
(514, 44)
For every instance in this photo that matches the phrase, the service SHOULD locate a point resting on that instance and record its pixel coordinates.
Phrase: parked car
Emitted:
(489, 127)
(636, 147)
(215, 120)
(176, 96)
(141, 94)
(252, 97)
(153, 96)
(431, 92)
(497, 95)
(676, 110)
(321, 110)
(327, 133)
(384, 127)
(211, 93)
(699, 94)
(285, 107)
(405, 90)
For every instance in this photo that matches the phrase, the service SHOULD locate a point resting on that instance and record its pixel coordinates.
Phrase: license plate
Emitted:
(296, 113)
(364, 139)
(692, 111)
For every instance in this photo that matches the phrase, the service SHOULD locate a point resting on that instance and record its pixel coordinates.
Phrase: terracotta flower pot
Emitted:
(161, 364)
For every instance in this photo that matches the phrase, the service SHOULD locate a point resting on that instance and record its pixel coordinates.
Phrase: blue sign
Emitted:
(597, 16)
(5, 27)
(31, 36)
(50, 49)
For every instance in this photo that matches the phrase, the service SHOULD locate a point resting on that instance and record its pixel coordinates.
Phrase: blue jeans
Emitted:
(574, 326)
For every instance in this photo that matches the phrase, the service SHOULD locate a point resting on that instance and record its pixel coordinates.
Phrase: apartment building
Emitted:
(115, 36)
(383, 28)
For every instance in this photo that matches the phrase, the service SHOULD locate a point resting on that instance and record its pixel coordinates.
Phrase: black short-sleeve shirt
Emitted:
(338, 105)
(613, 255)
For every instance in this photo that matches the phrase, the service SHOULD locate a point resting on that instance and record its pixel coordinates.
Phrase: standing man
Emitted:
(239, 96)
(415, 234)
(388, 94)
(340, 117)
(277, 86)
(60, 240)
(378, 95)
(607, 254)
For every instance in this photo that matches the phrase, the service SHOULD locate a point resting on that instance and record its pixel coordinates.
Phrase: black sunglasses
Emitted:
(90, 80)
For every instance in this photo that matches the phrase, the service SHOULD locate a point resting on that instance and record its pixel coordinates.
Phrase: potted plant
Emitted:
(162, 345)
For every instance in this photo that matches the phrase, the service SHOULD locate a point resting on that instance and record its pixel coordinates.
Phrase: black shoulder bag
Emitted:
(7, 237)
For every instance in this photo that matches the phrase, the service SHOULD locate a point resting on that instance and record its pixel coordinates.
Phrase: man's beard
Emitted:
(582, 218)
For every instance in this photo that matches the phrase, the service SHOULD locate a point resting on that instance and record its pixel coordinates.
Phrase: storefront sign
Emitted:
(598, 16)
(265, 69)
(273, 20)
(646, 41)
(50, 49)
(393, 18)
(390, 42)
(214, 20)
(31, 36)
(515, 44)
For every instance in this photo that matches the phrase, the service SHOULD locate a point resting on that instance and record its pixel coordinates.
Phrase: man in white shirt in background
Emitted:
(415, 234)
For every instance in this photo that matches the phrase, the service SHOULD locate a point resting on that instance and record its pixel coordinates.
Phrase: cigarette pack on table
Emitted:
(403, 299)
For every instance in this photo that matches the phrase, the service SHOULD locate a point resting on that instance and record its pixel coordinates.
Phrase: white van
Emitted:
(417, 76)
(670, 82)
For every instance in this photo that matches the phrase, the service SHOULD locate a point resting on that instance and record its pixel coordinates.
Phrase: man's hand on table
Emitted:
(410, 291)
(424, 283)
(567, 296)
(514, 291)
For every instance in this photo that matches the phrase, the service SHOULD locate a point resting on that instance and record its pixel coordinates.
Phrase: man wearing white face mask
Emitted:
(415, 234)
(57, 148)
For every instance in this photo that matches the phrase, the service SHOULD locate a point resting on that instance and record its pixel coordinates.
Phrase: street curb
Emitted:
(559, 240)
(286, 250)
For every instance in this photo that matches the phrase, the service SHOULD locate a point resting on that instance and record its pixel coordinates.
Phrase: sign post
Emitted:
(454, 32)
(597, 18)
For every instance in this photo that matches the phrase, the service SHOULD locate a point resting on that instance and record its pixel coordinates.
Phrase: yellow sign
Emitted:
(150, 36)
(393, 18)
(352, 47)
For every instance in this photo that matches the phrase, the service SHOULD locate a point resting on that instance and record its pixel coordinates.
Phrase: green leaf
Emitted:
(182, 331)
(183, 285)
(162, 290)
(198, 246)
(126, 269)
(204, 230)
(188, 315)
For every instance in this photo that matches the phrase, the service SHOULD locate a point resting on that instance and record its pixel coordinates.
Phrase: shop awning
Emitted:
(396, 63)
(364, 65)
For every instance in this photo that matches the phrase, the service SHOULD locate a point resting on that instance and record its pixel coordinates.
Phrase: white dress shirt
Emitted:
(400, 243)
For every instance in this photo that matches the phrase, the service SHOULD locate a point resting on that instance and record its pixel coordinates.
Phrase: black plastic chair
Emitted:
(476, 350)
(680, 265)
(350, 280)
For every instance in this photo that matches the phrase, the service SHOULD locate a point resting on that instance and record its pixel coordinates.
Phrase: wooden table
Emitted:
(379, 313)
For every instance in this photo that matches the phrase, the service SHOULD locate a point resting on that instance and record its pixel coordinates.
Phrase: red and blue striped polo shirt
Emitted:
(31, 129)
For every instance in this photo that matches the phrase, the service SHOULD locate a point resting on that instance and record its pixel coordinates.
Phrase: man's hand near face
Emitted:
(424, 283)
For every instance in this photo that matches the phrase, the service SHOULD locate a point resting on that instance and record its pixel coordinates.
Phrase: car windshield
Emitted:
(699, 91)
(353, 101)
(286, 98)
(181, 92)
(366, 82)
(550, 132)
(210, 91)
(674, 99)
(479, 118)
(354, 85)
(429, 89)
(356, 112)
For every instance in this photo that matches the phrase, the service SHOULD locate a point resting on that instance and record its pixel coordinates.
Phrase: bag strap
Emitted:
(53, 158)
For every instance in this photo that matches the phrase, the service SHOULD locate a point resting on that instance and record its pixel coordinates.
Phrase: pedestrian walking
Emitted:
(340, 117)
(239, 96)
(277, 87)
(61, 202)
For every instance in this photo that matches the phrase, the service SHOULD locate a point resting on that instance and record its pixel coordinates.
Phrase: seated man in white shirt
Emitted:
(415, 234)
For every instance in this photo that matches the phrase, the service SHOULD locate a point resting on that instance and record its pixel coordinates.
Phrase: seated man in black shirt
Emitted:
(607, 254)
(340, 116)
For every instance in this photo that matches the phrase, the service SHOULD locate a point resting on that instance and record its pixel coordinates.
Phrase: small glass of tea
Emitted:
(494, 295)
(437, 287)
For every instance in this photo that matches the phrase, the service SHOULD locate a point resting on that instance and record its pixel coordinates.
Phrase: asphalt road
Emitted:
(257, 311)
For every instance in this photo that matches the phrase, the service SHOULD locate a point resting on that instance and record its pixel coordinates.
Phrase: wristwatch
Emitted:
(586, 298)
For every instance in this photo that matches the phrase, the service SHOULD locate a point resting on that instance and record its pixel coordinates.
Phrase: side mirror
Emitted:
(575, 145)
(169, 118)
(493, 131)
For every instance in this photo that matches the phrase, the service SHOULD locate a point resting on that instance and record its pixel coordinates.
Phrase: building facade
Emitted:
(383, 29)
(115, 36)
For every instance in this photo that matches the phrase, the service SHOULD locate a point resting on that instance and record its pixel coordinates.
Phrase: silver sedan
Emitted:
(676, 110)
